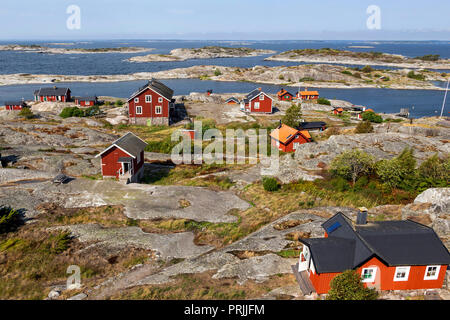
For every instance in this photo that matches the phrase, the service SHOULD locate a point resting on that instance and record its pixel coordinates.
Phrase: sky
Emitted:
(224, 19)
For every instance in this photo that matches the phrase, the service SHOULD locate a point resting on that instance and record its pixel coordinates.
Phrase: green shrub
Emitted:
(118, 103)
(292, 116)
(399, 171)
(10, 219)
(324, 101)
(217, 73)
(416, 76)
(68, 112)
(434, 172)
(372, 117)
(429, 57)
(340, 184)
(347, 72)
(367, 69)
(364, 127)
(361, 183)
(270, 184)
(26, 113)
(348, 286)
(352, 164)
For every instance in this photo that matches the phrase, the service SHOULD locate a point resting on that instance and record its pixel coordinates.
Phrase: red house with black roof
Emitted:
(15, 105)
(53, 94)
(257, 102)
(288, 139)
(124, 159)
(389, 255)
(284, 95)
(86, 101)
(151, 104)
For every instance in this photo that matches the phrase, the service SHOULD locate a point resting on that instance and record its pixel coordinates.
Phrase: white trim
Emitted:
(373, 275)
(402, 270)
(136, 100)
(148, 100)
(256, 105)
(115, 145)
(136, 109)
(156, 109)
(259, 95)
(435, 276)
(143, 90)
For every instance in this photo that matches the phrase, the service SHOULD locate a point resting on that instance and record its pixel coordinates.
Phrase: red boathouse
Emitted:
(124, 159)
(86, 101)
(53, 94)
(15, 105)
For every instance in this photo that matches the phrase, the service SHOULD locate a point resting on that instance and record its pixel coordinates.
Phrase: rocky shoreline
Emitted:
(41, 49)
(319, 76)
(358, 58)
(183, 54)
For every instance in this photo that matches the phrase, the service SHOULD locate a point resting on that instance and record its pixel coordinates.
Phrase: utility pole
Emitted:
(445, 98)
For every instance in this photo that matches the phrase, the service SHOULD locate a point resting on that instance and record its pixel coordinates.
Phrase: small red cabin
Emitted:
(257, 102)
(287, 139)
(151, 104)
(389, 255)
(337, 111)
(15, 105)
(86, 101)
(53, 94)
(308, 95)
(284, 95)
(124, 159)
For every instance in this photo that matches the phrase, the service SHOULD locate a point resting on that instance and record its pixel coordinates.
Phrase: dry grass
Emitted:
(201, 286)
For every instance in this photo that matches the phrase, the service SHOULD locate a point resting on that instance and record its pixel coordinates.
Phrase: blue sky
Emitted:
(226, 19)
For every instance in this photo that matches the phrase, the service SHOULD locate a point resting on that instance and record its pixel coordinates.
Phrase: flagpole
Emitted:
(445, 98)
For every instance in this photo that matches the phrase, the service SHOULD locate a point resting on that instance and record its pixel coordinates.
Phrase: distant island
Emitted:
(209, 52)
(327, 55)
(42, 49)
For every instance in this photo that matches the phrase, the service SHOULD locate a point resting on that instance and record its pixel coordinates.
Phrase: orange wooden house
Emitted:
(337, 111)
(389, 255)
(288, 139)
(308, 95)
(284, 95)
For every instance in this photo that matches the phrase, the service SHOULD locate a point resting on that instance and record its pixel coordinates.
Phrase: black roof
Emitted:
(395, 243)
(253, 94)
(157, 86)
(130, 143)
(51, 91)
(15, 103)
(311, 125)
(232, 99)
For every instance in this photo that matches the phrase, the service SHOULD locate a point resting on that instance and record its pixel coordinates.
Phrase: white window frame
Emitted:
(372, 278)
(402, 270)
(160, 100)
(256, 105)
(136, 100)
(148, 98)
(138, 108)
(435, 276)
(261, 97)
(158, 108)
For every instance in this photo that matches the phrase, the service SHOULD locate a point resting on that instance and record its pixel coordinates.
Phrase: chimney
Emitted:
(361, 219)
(260, 89)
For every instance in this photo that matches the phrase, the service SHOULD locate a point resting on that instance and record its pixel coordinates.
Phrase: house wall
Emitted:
(111, 166)
(15, 107)
(149, 109)
(265, 106)
(289, 147)
(384, 278)
(83, 103)
(285, 97)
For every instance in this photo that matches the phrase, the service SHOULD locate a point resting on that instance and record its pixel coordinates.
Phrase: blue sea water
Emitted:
(420, 102)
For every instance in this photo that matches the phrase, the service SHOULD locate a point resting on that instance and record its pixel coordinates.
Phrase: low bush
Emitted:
(324, 101)
(372, 117)
(10, 219)
(364, 127)
(348, 286)
(26, 113)
(270, 184)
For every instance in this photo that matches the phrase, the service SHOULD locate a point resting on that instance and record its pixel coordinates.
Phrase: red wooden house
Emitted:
(15, 105)
(288, 139)
(284, 95)
(307, 95)
(337, 111)
(257, 102)
(54, 94)
(124, 159)
(389, 255)
(86, 101)
(151, 104)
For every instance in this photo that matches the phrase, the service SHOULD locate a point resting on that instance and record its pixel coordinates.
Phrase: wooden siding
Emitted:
(148, 108)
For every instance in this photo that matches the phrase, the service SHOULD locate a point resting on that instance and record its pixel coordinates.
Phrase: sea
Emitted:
(420, 102)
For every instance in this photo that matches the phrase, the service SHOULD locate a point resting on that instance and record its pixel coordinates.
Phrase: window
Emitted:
(368, 274)
(160, 100)
(136, 100)
(138, 110)
(158, 110)
(256, 105)
(401, 274)
(432, 272)
(261, 97)
(148, 99)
